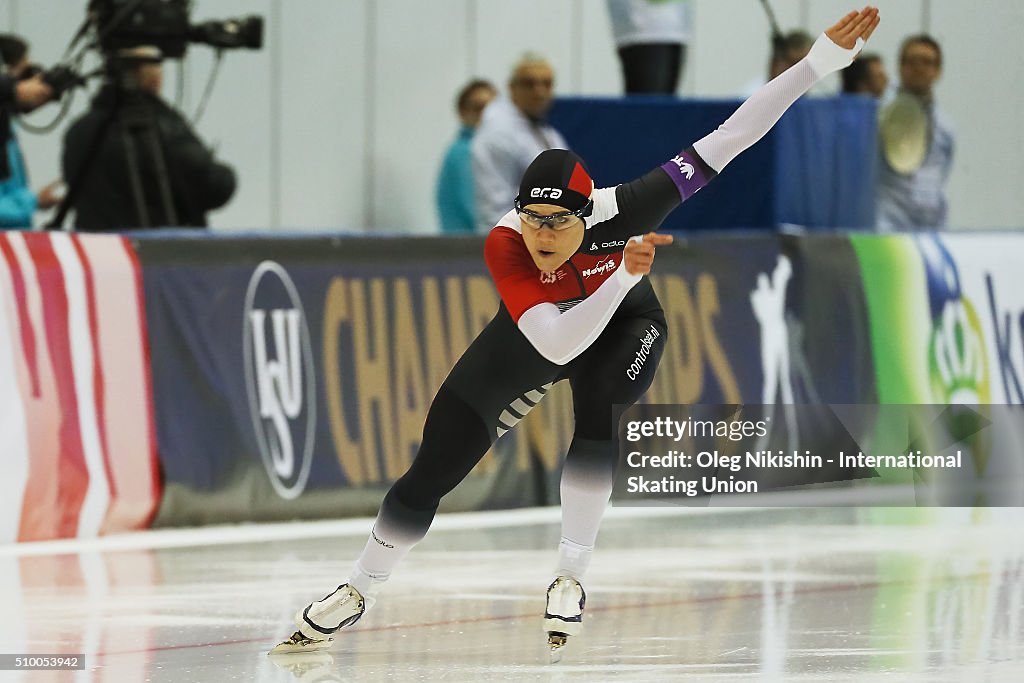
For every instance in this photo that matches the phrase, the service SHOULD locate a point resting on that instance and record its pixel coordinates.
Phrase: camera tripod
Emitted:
(133, 119)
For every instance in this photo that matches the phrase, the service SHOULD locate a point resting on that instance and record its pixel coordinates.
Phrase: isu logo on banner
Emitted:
(76, 402)
(279, 378)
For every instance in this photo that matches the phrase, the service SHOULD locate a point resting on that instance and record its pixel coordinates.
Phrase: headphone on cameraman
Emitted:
(12, 51)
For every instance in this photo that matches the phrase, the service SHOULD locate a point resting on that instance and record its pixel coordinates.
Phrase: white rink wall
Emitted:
(341, 120)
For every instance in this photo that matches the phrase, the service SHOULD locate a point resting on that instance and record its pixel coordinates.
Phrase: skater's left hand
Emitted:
(638, 255)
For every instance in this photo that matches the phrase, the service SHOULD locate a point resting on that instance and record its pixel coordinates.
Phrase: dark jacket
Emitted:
(105, 199)
(6, 105)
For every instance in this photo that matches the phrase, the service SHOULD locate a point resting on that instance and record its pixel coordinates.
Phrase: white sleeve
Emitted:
(764, 108)
(560, 337)
(606, 206)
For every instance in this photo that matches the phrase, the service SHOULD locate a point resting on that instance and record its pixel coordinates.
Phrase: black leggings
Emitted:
(500, 378)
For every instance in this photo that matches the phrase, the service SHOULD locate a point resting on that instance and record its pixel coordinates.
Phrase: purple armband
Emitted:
(688, 172)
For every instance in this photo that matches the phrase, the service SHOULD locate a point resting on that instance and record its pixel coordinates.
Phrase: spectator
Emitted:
(651, 37)
(20, 90)
(177, 178)
(456, 208)
(866, 76)
(917, 200)
(787, 50)
(512, 133)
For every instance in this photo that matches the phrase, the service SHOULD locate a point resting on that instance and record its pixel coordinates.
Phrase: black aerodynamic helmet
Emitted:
(559, 177)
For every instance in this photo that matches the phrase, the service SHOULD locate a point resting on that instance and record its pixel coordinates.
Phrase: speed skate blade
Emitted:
(299, 644)
(305, 666)
(556, 645)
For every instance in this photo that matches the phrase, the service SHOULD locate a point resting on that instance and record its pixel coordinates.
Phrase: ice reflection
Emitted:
(785, 594)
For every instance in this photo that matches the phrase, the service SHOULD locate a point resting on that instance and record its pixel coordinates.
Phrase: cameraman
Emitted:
(21, 89)
(141, 164)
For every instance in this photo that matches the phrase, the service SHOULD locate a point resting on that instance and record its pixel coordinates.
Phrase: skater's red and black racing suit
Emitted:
(502, 375)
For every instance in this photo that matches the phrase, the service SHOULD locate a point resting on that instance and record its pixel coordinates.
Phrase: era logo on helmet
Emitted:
(546, 192)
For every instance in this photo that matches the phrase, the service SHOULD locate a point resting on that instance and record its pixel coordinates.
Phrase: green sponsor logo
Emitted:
(957, 365)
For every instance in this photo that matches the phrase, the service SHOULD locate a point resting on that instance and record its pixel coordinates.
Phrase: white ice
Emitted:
(817, 594)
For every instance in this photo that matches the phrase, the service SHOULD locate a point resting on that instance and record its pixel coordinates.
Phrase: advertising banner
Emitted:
(289, 378)
(978, 281)
(944, 313)
(293, 376)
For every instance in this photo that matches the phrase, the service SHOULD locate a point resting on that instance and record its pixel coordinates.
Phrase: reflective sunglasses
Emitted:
(556, 221)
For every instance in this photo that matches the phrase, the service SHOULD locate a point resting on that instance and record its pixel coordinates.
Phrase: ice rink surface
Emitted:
(838, 594)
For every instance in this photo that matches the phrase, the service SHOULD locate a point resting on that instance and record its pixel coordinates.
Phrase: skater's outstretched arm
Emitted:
(834, 50)
(643, 204)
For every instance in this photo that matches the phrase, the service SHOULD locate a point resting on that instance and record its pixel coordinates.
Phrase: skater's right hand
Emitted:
(638, 256)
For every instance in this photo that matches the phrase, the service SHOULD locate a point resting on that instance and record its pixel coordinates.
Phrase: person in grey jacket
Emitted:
(512, 133)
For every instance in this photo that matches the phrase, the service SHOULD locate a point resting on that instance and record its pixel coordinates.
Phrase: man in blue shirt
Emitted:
(917, 200)
(456, 207)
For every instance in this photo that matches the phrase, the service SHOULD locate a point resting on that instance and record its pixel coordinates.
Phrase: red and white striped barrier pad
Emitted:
(77, 444)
